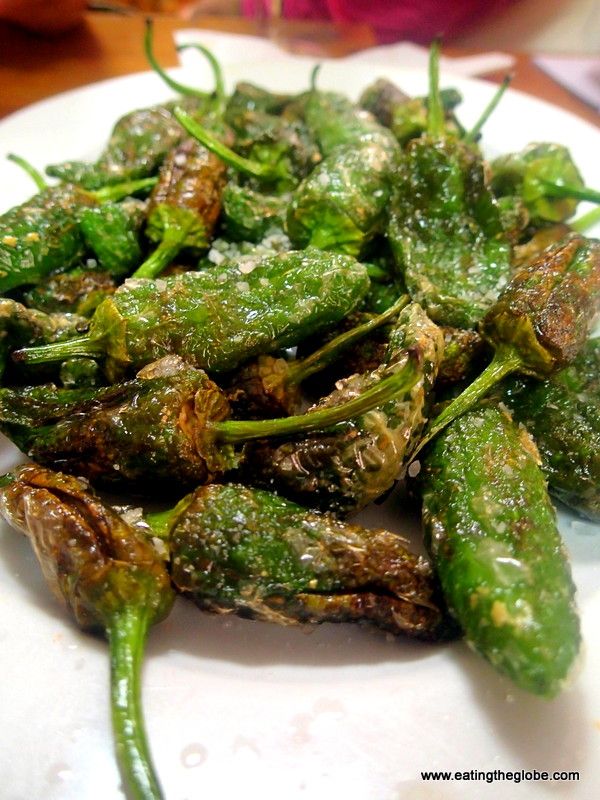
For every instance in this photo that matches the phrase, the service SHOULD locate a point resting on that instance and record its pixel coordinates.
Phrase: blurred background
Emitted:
(558, 26)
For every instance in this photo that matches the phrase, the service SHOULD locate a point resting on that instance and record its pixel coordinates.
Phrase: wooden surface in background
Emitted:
(108, 45)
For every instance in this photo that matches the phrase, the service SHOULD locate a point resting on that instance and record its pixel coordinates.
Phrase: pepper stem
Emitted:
(435, 110)
(575, 192)
(120, 190)
(299, 370)
(127, 633)
(219, 91)
(171, 82)
(33, 173)
(583, 223)
(401, 382)
(86, 345)
(226, 154)
(488, 110)
(172, 242)
(506, 360)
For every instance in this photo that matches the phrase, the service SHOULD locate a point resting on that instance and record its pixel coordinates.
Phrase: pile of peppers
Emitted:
(270, 310)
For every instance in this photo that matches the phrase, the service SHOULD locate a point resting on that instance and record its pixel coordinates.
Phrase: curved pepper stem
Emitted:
(506, 360)
(226, 154)
(171, 82)
(35, 175)
(586, 221)
(401, 382)
(488, 110)
(172, 242)
(219, 92)
(127, 632)
(85, 345)
(118, 191)
(299, 370)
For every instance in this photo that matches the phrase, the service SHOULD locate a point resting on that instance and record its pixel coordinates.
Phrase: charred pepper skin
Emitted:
(137, 147)
(539, 323)
(218, 319)
(546, 310)
(144, 434)
(491, 532)
(184, 205)
(345, 469)
(447, 233)
(111, 580)
(250, 552)
(562, 414)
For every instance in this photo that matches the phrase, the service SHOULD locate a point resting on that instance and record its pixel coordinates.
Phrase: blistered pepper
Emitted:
(184, 205)
(562, 414)
(446, 229)
(43, 235)
(167, 427)
(112, 581)
(218, 319)
(346, 468)
(539, 323)
(250, 552)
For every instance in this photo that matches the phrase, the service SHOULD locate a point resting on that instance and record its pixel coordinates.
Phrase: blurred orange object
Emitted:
(162, 6)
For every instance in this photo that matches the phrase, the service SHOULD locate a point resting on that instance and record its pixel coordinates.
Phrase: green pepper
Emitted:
(112, 232)
(491, 531)
(285, 146)
(406, 116)
(539, 323)
(248, 215)
(247, 97)
(21, 326)
(218, 319)
(345, 469)
(138, 144)
(43, 235)
(335, 122)
(343, 203)
(250, 552)
(167, 426)
(78, 291)
(562, 414)
(112, 581)
(148, 432)
(184, 205)
(446, 229)
(527, 174)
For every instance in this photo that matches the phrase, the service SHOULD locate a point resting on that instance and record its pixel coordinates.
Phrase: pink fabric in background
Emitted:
(414, 20)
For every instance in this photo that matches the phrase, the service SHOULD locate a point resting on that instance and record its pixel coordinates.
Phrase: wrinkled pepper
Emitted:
(250, 552)
(562, 414)
(343, 470)
(168, 426)
(112, 581)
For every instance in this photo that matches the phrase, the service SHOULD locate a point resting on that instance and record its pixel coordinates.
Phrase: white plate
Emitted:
(243, 709)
